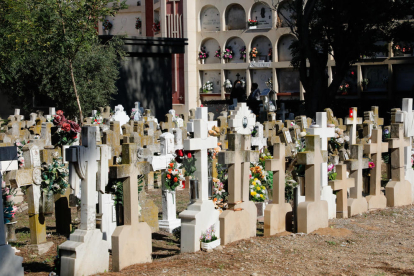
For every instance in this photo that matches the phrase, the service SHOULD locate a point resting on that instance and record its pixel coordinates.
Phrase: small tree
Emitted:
(44, 35)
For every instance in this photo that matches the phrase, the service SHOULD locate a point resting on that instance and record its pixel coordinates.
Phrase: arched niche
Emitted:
(236, 44)
(263, 14)
(211, 46)
(262, 44)
(235, 17)
(284, 14)
(210, 19)
(283, 51)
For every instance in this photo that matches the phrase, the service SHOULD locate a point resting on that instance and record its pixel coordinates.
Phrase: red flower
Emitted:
(59, 112)
(189, 155)
(180, 153)
(74, 126)
(59, 120)
(175, 179)
(74, 135)
(169, 176)
(169, 170)
(66, 127)
(352, 73)
(171, 165)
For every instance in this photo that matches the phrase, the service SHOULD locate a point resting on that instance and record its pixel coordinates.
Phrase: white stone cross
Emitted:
(242, 121)
(259, 141)
(353, 121)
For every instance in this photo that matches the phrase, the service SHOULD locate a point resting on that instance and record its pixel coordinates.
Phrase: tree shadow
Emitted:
(36, 267)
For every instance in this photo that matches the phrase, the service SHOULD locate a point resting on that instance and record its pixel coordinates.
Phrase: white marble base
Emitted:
(85, 253)
(169, 225)
(327, 194)
(11, 265)
(210, 245)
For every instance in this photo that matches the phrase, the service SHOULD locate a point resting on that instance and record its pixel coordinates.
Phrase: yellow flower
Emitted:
(263, 187)
(258, 188)
(261, 196)
(253, 193)
(255, 179)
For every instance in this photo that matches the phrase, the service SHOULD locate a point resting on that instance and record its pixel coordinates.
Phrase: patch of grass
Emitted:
(221, 266)
(331, 242)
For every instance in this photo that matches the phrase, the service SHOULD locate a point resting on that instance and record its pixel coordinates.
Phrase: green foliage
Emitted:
(172, 176)
(188, 164)
(55, 177)
(290, 185)
(44, 41)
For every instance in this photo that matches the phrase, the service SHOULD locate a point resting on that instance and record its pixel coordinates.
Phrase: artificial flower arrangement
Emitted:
(263, 156)
(228, 53)
(68, 130)
(9, 210)
(209, 235)
(133, 112)
(227, 84)
(343, 88)
(254, 53)
(203, 54)
(187, 161)
(218, 53)
(212, 153)
(253, 22)
(208, 86)
(331, 172)
(20, 158)
(97, 119)
(156, 26)
(107, 25)
(404, 49)
(138, 23)
(258, 191)
(55, 177)
(219, 193)
(243, 53)
(173, 176)
(214, 131)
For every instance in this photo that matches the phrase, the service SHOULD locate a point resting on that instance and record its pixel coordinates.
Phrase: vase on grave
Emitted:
(203, 61)
(119, 209)
(11, 231)
(8, 214)
(46, 206)
(210, 245)
(194, 190)
(261, 206)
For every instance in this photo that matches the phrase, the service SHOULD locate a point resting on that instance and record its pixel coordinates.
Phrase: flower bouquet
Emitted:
(401, 49)
(243, 53)
(68, 130)
(156, 26)
(331, 172)
(254, 53)
(97, 119)
(209, 239)
(138, 23)
(228, 54)
(9, 211)
(173, 176)
(344, 88)
(107, 25)
(187, 161)
(55, 177)
(227, 84)
(208, 87)
(20, 158)
(218, 53)
(253, 24)
(202, 54)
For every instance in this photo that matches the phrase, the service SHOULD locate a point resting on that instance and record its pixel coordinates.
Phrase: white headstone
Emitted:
(120, 116)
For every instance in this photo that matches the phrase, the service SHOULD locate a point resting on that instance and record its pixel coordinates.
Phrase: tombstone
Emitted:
(210, 19)
(341, 184)
(406, 116)
(313, 213)
(357, 204)
(353, 121)
(282, 112)
(325, 133)
(169, 123)
(31, 176)
(376, 199)
(398, 190)
(112, 138)
(167, 150)
(243, 120)
(238, 225)
(120, 115)
(277, 214)
(258, 141)
(139, 111)
(201, 214)
(85, 252)
(302, 122)
(105, 112)
(32, 121)
(286, 138)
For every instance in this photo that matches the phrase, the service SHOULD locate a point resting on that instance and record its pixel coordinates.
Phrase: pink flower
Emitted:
(330, 167)
(371, 165)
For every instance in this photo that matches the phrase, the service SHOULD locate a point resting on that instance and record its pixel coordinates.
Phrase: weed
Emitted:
(331, 242)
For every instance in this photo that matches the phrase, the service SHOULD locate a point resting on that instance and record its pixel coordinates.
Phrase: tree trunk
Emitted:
(76, 91)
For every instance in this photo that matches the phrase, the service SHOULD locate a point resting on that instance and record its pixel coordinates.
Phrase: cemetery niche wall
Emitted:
(146, 76)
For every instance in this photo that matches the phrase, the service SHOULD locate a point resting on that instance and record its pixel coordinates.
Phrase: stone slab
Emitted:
(11, 265)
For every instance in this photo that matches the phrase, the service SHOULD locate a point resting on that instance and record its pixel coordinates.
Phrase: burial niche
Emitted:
(236, 44)
(288, 80)
(211, 45)
(285, 14)
(263, 46)
(235, 17)
(263, 14)
(210, 19)
(283, 51)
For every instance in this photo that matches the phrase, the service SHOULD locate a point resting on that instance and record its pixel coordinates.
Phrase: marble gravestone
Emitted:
(236, 18)
(210, 19)
(131, 242)
(11, 265)
(313, 213)
(258, 141)
(85, 252)
(263, 14)
(169, 208)
(200, 215)
(352, 121)
(276, 214)
(398, 190)
(321, 128)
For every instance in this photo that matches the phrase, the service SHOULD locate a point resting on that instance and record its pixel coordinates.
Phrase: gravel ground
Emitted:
(376, 243)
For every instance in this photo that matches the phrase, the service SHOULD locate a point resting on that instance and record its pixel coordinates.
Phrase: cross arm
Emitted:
(227, 157)
(20, 178)
(308, 157)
